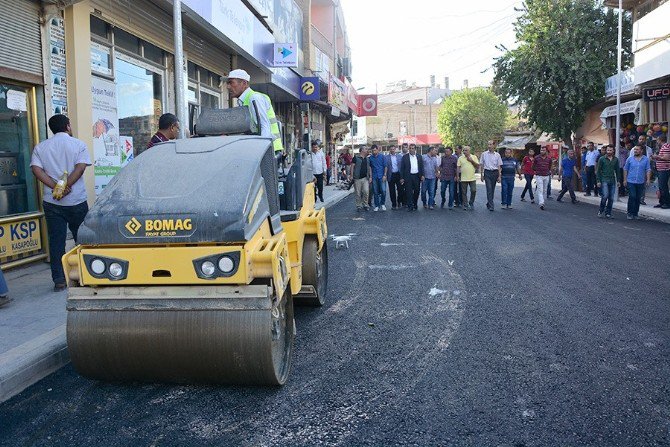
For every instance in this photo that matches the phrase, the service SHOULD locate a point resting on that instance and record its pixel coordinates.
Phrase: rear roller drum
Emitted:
(247, 339)
(314, 272)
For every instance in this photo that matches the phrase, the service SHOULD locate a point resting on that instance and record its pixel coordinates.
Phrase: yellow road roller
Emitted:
(189, 263)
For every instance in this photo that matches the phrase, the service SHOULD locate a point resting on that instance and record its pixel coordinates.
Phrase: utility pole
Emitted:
(180, 93)
(618, 91)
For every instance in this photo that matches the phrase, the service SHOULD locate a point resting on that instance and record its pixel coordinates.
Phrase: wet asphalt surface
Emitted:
(511, 328)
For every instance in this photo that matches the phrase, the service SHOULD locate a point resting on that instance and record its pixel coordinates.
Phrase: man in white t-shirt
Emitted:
(50, 160)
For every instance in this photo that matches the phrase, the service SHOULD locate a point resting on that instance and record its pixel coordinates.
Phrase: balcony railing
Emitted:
(322, 42)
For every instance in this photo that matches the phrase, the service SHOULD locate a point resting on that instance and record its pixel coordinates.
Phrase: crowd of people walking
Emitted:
(409, 176)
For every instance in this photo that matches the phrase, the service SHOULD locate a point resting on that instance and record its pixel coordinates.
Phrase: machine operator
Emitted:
(238, 86)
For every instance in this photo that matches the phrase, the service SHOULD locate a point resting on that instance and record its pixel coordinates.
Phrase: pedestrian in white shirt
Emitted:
(51, 159)
(319, 167)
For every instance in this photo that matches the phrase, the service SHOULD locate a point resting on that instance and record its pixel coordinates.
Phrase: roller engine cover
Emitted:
(197, 190)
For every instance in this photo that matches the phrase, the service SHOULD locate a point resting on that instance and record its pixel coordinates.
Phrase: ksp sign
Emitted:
(20, 237)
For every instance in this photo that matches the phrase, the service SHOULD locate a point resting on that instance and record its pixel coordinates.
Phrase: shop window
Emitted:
(153, 53)
(192, 71)
(191, 94)
(139, 93)
(17, 185)
(203, 92)
(99, 28)
(209, 100)
(126, 41)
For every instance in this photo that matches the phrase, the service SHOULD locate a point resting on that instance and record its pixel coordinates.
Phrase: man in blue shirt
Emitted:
(566, 170)
(378, 166)
(396, 191)
(636, 173)
(510, 168)
(431, 166)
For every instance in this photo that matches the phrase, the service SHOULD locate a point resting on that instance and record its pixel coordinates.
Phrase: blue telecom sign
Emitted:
(285, 55)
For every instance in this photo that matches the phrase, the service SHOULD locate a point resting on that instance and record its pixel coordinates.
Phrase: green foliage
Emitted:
(471, 117)
(566, 50)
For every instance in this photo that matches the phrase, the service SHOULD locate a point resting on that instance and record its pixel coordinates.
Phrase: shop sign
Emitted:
(336, 94)
(285, 55)
(367, 105)
(627, 83)
(20, 237)
(352, 96)
(231, 17)
(657, 94)
(309, 89)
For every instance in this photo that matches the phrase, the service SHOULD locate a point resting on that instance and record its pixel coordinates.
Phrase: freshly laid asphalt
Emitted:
(514, 328)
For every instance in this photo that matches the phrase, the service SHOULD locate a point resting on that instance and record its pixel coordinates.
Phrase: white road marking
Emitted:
(390, 267)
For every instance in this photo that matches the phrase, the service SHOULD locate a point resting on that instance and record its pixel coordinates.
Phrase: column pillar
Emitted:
(79, 97)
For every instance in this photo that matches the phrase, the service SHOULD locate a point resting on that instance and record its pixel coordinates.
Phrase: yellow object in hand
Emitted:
(59, 189)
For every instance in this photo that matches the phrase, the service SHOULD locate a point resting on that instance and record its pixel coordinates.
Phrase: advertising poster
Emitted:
(56, 60)
(106, 142)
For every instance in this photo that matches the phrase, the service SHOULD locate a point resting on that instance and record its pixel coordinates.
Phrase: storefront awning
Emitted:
(516, 141)
(425, 139)
(626, 108)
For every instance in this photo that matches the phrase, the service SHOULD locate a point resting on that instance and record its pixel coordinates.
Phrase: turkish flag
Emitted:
(367, 105)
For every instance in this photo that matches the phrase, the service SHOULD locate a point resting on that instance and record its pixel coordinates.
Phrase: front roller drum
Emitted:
(181, 334)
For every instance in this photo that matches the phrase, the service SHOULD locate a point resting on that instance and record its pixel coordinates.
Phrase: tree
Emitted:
(566, 50)
(471, 117)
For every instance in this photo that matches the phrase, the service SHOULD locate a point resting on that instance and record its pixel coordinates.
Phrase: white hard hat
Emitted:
(239, 74)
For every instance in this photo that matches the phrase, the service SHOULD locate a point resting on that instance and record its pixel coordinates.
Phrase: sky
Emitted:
(394, 40)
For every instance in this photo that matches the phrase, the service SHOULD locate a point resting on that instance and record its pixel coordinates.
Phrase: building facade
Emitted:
(109, 65)
(645, 88)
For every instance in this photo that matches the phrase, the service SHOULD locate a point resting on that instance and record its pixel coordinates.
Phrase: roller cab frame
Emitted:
(187, 268)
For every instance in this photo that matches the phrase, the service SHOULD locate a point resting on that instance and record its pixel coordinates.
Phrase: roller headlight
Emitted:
(103, 267)
(98, 266)
(208, 268)
(226, 264)
(115, 269)
(220, 265)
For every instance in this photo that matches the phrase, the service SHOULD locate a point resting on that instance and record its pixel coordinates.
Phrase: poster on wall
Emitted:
(57, 73)
(106, 140)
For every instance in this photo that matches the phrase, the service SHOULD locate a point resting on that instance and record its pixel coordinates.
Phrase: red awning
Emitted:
(424, 139)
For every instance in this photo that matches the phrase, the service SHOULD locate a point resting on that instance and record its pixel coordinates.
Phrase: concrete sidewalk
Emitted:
(32, 326)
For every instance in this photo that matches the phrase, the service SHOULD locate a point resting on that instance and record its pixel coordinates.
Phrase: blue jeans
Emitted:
(507, 190)
(379, 191)
(59, 219)
(635, 193)
(3, 285)
(451, 184)
(607, 196)
(428, 186)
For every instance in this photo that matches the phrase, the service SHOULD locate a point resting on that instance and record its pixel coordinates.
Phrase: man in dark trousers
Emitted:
(393, 161)
(411, 171)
